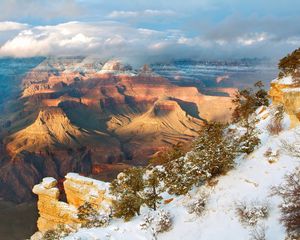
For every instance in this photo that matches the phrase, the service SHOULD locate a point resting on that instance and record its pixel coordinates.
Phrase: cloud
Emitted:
(253, 38)
(109, 39)
(138, 14)
(39, 9)
(9, 26)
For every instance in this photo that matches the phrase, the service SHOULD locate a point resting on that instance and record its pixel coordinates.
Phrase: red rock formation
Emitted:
(76, 116)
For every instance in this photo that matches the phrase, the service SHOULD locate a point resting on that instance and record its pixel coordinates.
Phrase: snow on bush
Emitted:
(58, 233)
(289, 191)
(251, 213)
(157, 221)
(90, 217)
(275, 126)
(272, 155)
(198, 205)
(292, 148)
(258, 233)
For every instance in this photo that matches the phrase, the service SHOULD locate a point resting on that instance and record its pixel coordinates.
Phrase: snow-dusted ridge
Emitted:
(287, 80)
(250, 181)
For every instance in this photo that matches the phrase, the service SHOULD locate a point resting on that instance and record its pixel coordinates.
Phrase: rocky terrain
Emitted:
(83, 115)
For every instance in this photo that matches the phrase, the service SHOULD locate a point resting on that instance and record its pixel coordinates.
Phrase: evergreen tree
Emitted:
(289, 64)
(249, 140)
(214, 150)
(213, 154)
(246, 101)
(152, 188)
(127, 189)
(179, 176)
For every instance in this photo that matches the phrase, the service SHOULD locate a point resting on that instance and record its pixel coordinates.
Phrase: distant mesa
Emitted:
(115, 66)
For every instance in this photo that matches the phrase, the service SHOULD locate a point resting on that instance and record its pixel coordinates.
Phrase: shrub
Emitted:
(258, 233)
(163, 221)
(198, 206)
(52, 234)
(90, 217)
(289, 191)
(158, 222)
(251, 213)
(271, 155)
(56, 234)
(275, 126)
(292, 148)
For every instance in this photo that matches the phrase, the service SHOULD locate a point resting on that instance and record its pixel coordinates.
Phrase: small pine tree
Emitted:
(152, 190)
(289, 64)
(127, 205)
(179, 176)
(246, 101)
(127, 189)
(249, 140)
(215, 152)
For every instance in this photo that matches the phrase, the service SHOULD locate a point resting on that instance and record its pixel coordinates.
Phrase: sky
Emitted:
(150, 30)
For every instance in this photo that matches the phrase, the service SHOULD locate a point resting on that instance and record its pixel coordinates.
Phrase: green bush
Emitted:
(90, 217)
(213, 154)
(289, 64)
(246, 101)
(127, 189)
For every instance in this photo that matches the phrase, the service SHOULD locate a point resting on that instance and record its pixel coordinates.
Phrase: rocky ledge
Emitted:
(78, 190)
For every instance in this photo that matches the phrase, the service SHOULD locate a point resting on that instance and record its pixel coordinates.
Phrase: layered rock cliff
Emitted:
(286, 91)
(78, 190)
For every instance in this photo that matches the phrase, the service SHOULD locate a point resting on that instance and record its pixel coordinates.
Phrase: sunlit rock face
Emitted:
(80, 114)
(78, 190)
(286, 91)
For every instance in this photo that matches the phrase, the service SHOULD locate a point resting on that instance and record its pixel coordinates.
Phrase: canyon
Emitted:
(96, 118)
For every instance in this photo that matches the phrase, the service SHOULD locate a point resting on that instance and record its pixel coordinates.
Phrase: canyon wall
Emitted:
(286, 91)
(78, 190)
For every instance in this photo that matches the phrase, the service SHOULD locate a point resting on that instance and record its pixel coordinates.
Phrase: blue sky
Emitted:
(150, 29)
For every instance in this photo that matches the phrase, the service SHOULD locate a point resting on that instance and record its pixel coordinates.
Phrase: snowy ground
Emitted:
(251, 180)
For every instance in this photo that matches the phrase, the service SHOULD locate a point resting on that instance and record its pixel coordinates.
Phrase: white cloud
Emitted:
(113, 39)
(144, 13)
(9, 26)
(75, 38)
(253, 38)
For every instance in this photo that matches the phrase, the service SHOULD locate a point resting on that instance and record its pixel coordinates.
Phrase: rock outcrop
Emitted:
(286, 91)
(78, 190)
